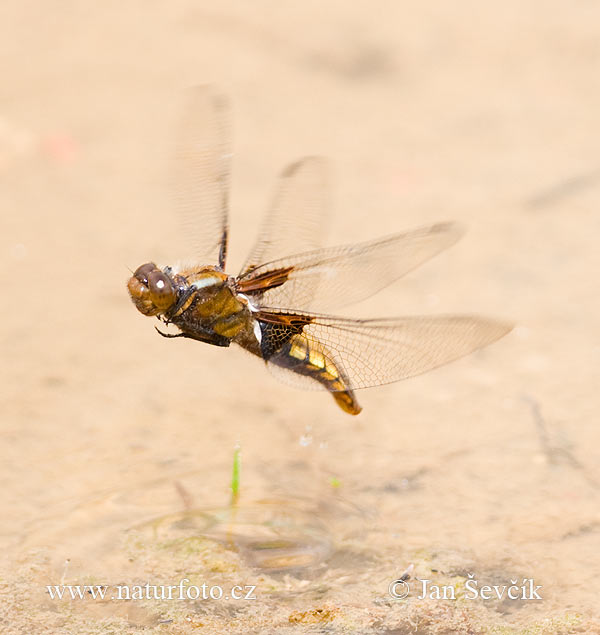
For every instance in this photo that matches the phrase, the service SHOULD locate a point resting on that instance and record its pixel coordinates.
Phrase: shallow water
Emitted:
(117, 445)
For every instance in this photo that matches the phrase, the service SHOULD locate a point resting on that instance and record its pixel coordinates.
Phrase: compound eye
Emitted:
(162, 290)
(142, 272)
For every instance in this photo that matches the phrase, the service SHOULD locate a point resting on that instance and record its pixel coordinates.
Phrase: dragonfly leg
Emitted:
(168, 335)
(208, 338)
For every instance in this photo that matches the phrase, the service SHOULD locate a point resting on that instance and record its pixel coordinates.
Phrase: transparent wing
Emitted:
(297, 218)
(201, 173)
(376, 352)
(338, 276)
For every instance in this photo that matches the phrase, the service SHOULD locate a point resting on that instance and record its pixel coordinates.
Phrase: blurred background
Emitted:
(113, 438)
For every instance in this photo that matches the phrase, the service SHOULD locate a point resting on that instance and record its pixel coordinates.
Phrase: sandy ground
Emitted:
(117, 445)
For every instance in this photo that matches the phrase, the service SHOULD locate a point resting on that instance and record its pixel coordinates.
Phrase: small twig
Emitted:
(407, 573)
(186, 497)
(554, 453)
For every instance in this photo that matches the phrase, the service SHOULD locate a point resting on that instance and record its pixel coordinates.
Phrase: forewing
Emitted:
(333, 277)
(296, 220)
(201, 173)
(376, 352)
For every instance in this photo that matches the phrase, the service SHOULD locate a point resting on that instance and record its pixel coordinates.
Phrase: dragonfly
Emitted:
(278, 307)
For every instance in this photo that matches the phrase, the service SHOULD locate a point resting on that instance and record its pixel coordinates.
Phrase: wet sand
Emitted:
(117, 445)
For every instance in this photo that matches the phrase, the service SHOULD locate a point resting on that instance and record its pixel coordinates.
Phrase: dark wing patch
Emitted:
(277, 329)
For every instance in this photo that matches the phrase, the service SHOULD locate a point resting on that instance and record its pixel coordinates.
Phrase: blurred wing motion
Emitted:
(202, 173)
(338, 276)
(369, 352)
(297, 217)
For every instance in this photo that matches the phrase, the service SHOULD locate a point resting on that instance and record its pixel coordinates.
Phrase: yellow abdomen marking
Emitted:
(298, 349)
(318, 365)
(316, 358)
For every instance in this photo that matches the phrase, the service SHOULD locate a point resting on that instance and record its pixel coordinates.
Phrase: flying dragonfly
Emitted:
(277, 306)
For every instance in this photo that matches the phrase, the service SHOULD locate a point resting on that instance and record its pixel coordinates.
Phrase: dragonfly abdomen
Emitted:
(315, 362)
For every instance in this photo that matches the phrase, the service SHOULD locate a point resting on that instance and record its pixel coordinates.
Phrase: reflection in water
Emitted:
(273, 535)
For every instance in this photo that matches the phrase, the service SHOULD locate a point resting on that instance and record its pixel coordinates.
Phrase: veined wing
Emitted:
(333, 277)
(296, 220)
(201, 173)
(374, 352)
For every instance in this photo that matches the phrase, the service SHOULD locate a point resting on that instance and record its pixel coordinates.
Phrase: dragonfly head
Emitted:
(151, 290)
